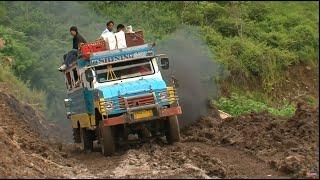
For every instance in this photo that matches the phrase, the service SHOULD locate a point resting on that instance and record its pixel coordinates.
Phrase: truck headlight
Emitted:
(109, 105)
(106, 106)
(163, 95)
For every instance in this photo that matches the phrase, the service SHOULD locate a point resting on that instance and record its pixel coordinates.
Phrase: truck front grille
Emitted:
(136, 101)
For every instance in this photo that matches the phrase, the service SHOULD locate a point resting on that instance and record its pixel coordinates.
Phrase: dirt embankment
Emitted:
(289, 145)
(25, 149)
(252, 146)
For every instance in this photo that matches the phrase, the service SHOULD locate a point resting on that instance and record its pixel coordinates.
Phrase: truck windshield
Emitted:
(124, 70)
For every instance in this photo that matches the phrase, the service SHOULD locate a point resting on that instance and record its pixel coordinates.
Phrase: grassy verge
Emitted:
(20, 90)
(240, 104)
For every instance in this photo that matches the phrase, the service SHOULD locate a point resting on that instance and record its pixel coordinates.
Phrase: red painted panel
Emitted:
(88, 48)
(114, 121)
(171, 111)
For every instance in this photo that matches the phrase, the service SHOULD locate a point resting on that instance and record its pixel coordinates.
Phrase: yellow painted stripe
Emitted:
(84, 120)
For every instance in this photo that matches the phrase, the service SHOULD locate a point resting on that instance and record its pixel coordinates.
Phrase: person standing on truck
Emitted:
(76, 42)
(109, 36)
(108, 30)
(121, 27)
(120, 37)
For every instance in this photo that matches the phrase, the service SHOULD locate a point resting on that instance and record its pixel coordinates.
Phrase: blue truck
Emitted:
(119, 92)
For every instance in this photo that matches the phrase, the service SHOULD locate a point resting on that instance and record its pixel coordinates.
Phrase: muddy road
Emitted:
(251, 146)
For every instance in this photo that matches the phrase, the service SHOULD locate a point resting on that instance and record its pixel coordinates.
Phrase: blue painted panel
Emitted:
(77, 105)
(127, 89)
(82, 63)
(122, 54)
(132, 87)
(82, 101)
(118, 55)
(88, 95)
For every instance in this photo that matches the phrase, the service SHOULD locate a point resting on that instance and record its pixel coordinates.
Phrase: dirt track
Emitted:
(252, 146)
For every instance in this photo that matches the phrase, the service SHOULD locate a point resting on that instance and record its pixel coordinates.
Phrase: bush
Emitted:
(22, 91)
(239, 105)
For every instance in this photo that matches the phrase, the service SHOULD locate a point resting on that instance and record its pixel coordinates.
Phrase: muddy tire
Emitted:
(76, 135)
(86, 140)
(172, 130)
(107, 142)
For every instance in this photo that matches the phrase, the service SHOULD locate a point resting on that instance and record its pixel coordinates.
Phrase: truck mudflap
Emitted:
(128, 119)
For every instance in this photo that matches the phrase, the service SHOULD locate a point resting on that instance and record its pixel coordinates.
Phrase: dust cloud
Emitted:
(193, 66)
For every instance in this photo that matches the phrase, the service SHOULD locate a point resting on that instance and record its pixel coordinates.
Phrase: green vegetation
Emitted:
(256, 41)
(156, 19)
(260, 40)
(37, 36)
(21, 90)
(239, 104)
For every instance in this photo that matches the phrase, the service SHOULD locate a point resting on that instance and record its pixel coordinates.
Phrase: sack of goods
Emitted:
(88, 48)
(134, 39)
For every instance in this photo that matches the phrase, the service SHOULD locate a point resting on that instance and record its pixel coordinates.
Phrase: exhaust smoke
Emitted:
(192, 65)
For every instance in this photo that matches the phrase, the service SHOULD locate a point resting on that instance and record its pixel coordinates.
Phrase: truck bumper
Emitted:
(126, 118)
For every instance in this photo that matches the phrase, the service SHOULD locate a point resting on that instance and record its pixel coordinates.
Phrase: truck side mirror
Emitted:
(164, 62)
(89, 75)
(67, 102)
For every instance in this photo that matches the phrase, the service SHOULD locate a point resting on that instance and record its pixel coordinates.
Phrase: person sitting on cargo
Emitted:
(77, 38)
(76, 42)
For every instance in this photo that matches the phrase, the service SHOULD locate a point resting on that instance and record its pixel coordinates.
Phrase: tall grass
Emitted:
(22, 91)
(240, 104)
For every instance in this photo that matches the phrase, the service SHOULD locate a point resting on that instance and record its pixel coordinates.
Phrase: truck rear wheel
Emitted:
(76, 135)
(86, 140)
(107, 142)
(172, 130)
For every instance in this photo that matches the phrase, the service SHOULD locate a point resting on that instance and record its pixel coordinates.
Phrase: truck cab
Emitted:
(119, 92)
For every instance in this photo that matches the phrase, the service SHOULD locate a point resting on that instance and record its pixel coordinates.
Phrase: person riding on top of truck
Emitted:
(76, 42)
(108, 35)
(120, 27)
(109, 28)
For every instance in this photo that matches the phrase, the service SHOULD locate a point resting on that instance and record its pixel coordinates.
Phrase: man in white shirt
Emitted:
(109, 36)
(109, 28)
(120, 36)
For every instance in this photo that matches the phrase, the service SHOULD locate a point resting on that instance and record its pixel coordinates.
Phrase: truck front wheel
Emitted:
(106, 139)
(172, 130)
(86, 140)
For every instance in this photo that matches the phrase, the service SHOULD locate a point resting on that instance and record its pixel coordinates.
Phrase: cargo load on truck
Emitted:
(122, 40)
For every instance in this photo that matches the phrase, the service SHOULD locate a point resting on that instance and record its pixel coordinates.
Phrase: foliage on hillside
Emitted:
(11, 84)
(37, 36)
(239, 104)
(260, 40)
(156, 19)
